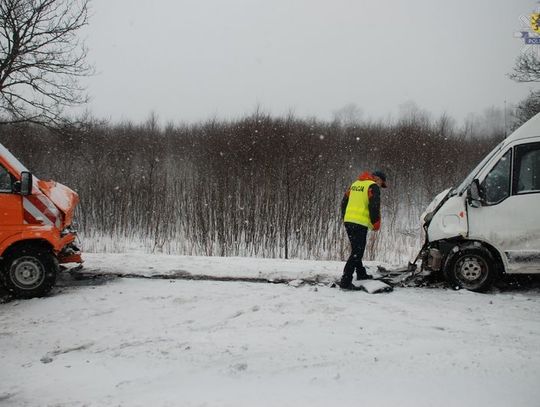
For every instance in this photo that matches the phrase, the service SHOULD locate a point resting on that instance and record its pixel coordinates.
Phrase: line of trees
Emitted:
(258, 186)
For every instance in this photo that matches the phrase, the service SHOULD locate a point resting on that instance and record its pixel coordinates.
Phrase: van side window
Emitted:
(527, 168)
(5, 180)
(497, 183)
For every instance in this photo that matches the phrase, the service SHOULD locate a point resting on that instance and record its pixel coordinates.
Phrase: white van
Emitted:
(490, 224)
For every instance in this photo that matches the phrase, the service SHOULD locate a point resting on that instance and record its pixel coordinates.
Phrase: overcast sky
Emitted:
(190, 60)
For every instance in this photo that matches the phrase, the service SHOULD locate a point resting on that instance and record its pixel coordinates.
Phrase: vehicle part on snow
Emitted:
(372, 286)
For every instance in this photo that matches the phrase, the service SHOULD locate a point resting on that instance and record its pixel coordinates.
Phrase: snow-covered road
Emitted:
(140, 342)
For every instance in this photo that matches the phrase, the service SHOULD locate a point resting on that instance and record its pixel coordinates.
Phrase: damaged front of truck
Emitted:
(65, 200)
(36, 229)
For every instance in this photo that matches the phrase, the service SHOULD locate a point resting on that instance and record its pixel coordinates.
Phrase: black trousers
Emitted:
(357, 236)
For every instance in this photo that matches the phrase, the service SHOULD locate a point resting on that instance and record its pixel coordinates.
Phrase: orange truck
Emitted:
(36, 229)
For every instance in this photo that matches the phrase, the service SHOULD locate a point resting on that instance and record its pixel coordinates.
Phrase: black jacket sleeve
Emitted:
(344, 203)
(374, 203)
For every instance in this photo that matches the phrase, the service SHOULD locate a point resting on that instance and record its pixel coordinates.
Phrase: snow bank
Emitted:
(140, 264)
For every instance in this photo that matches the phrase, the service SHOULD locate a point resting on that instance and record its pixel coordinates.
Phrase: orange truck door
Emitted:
(11, 216)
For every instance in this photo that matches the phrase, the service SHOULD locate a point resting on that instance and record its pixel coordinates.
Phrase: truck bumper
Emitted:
(69, 253)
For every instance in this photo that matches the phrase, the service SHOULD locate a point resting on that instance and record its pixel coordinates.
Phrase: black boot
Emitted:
(346, 282)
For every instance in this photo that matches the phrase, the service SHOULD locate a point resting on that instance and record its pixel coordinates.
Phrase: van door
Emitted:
(509, 218)
(11, 216)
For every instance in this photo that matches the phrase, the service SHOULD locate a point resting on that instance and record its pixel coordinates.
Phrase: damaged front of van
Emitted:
(490, 224)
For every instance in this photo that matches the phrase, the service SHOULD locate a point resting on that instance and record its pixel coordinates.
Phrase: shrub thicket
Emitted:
(257, 186)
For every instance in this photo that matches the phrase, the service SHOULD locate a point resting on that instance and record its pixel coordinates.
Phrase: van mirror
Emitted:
(26, 183)
(474, 194)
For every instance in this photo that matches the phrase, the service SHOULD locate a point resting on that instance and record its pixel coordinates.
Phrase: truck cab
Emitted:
(490, 224)
(36, 229)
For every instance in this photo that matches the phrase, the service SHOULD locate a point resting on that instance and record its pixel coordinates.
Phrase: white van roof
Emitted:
(531, 128)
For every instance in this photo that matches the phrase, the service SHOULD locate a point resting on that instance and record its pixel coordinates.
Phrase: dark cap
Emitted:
(381, 175)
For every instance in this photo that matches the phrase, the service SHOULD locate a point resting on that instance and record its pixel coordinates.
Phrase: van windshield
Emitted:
(467, 181)
(10, 158)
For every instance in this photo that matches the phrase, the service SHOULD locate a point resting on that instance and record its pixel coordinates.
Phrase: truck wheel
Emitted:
(30, 272)
(471, 268)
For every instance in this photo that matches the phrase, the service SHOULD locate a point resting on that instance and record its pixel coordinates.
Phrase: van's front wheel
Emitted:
(30, 272)
(471, 268)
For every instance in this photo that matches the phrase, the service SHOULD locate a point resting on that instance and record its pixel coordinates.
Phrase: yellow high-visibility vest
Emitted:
(358, 206)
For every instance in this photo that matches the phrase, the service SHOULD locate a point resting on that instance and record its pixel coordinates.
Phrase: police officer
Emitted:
(361, 211)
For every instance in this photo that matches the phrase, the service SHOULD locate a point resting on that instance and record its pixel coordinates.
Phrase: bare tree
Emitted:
(41, 59)
(527, 108)
(527, 68)
(491, 123)
(348, 115)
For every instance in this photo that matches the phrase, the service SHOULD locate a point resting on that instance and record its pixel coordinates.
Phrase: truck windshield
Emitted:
(10, 158)
(467, 181)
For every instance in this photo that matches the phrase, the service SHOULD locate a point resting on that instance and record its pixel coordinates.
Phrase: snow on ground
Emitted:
(167, 342)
